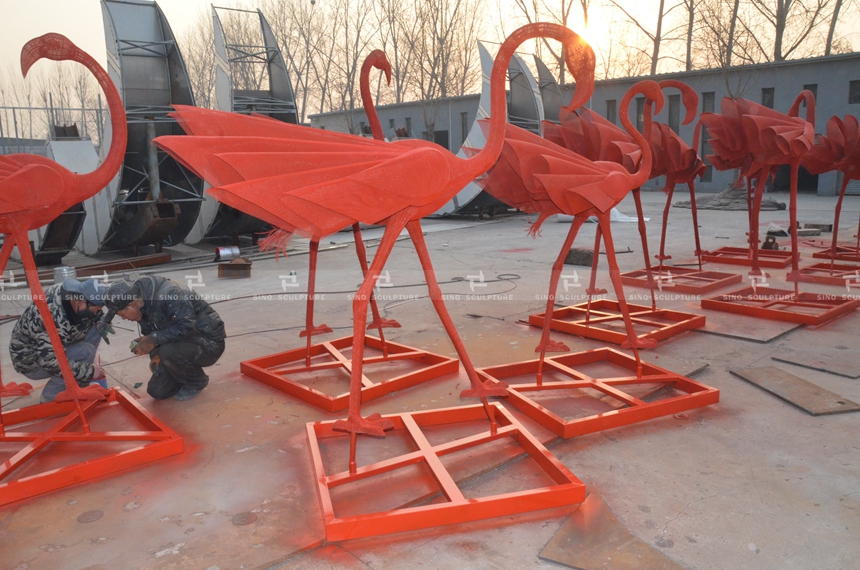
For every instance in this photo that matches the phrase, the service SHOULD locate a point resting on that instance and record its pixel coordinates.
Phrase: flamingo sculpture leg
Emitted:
(10, 389)
(316, 182)
(34, 190)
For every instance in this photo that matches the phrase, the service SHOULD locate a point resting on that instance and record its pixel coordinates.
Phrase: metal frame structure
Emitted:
(632, 409)
(771, 258)
(682, 279)
(585, 319)
(843, 253)
(456, 508)
(829, 273)
(275, 370)
(782, 305)
(28, 426)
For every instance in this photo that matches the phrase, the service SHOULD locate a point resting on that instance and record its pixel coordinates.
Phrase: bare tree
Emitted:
(655, 37)
(789, 22)
(198, 52)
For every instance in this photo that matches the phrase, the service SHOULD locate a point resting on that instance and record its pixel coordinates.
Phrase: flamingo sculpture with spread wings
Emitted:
(34, 190)
(758, 140)
(838, 150)
(313, 183)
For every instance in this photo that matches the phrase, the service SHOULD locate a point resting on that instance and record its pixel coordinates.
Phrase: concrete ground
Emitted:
(751, 482)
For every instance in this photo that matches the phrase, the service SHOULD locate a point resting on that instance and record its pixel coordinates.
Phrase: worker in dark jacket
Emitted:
(182, 334)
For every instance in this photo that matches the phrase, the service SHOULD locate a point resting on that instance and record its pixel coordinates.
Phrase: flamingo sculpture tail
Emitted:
(34, 190)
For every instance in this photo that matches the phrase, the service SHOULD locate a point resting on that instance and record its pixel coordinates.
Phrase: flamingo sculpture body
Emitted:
(758, 140)
(313, 182)
(34, 190)
(838, 150)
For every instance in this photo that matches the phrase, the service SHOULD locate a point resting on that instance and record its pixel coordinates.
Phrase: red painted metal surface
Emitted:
(56, 425)
(758, 140)
(841, 275)
(771, 258)
(842, 253)
(599, 319)
(453, 506)
(314, 182)
(781, 305)
(682, 279)
(577, 386)
(284, 371)
(34, 190)
(838, 150)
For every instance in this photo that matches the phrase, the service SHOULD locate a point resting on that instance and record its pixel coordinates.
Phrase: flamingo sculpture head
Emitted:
(51, 46)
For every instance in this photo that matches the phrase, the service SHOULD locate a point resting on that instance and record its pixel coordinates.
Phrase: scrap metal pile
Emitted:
(315, 182)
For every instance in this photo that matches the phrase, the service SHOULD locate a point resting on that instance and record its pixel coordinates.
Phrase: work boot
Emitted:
(186, 393)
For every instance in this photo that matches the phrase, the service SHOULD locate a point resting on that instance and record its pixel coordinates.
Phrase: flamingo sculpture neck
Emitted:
(653, 93)
(376, 59)
(794, 111)
(59, 48)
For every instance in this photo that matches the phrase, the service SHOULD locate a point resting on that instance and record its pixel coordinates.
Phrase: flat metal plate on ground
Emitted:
(325, 382)
(593, 539)
(783, 305)
(838, 362)
(686, 280)
(359, 504)
(776, 259)
(595, 390)
(603, 321)
(807, 396)
(743, 327)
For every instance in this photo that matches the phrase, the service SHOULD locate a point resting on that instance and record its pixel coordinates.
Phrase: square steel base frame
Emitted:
(777, 305)
(275, 369)
(571, 320)
(838, 274)
(696, 395)
(772, 258)
(682, 279)
(456, 508)
(157, 442)
(843, 253)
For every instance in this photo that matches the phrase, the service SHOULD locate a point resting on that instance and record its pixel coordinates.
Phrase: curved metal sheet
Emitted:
(146, 64)
(525, 109)
(550, 92)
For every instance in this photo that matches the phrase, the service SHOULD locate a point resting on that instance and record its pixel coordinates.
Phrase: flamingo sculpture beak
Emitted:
(580, 61)
(379, 60)
(51, 46)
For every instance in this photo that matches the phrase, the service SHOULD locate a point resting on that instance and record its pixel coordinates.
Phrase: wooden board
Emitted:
(807, 396)
(593, 539)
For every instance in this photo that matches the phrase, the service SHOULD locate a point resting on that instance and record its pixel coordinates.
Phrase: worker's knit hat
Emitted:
(119, 295)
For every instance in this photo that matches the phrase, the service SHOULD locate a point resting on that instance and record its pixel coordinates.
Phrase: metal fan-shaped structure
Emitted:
(154, 200)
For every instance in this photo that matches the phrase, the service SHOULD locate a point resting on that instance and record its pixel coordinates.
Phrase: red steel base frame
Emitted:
(157, 441)
(275, 369)
(777, 259)
(841, 275)
(843, 253)
(781, 305)
(455, 507)
(662, 323)
(682, 279)
(635, 409)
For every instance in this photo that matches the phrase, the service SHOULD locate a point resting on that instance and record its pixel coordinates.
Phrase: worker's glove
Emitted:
(104, 327)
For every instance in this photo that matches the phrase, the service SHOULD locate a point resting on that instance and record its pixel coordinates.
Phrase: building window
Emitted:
(640, 113)
(707, 107)
(612, 111)
(464, 127)
(675, 112)
(408, 126)
(391, 123)
(767, 97)
(707, 101)
(853, 92)
(813, 88)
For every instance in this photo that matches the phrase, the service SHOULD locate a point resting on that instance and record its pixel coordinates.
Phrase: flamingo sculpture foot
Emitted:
(486, 390)
(373, 425)
(318, 329)
(593, 291)
(91, 392)
(381, 323)
(636, 342)
(13, 390)
(662, 257)
(552, 346)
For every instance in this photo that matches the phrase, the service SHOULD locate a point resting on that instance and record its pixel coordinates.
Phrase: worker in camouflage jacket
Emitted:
(180, 332)
(76, 307)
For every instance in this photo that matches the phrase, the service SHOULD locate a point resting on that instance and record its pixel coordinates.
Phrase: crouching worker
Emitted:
(76, 307)
(182, 334)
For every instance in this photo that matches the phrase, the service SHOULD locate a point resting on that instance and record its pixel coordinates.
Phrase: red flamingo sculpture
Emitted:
(838, 150)
(242, 133)
(317, 182)
(559, 180)
(34, 190)
(758, 140)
